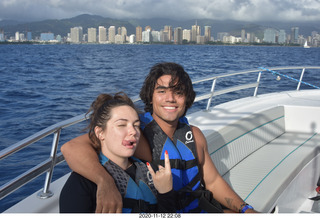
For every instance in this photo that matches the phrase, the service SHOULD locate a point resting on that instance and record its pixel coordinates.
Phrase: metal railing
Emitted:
(54, 159)
(46, 166)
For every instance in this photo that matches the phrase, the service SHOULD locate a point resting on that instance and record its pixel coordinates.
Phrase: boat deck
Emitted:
(261, 150)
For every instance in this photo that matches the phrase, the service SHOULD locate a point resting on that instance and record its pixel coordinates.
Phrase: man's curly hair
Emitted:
(180, 82)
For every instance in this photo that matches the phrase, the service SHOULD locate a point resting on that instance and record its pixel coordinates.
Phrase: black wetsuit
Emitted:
(79, 196)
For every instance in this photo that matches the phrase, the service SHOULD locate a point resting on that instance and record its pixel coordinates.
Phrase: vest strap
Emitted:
(178, 164)
(206, 201)
(192, 183)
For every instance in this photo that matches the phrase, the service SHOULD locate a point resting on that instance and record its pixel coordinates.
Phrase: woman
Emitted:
(115, 129)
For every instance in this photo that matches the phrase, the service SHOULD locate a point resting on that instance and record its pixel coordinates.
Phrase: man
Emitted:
(167, 93)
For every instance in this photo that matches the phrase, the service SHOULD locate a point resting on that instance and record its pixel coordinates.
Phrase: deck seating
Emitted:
(255, 152)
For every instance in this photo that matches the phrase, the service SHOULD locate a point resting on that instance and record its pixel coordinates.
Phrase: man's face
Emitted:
(168, 105)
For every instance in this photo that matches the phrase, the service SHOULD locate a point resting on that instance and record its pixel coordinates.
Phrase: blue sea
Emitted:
(41, 85)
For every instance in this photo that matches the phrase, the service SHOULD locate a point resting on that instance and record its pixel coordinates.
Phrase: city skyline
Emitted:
(241, 10)
(169, 34)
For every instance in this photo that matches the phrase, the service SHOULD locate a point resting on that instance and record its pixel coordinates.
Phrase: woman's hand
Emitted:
(162, 178)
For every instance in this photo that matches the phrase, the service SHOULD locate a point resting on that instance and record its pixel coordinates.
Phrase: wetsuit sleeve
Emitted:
(167, 202)
(78, 195)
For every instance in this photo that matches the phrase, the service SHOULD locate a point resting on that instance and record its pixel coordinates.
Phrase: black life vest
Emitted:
(138, 195)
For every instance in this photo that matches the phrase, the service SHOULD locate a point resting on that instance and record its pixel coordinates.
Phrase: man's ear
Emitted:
(99, 133)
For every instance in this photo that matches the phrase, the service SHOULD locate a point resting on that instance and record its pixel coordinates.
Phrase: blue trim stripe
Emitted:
(279, 164)
(245, 134)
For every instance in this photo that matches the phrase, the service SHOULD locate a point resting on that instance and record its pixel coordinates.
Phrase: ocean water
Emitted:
(41, 85)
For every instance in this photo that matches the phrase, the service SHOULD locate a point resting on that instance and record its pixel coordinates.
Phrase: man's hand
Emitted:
(109, 199)
(162, 179)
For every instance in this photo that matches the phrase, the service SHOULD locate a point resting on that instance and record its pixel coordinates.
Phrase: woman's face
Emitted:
(121, 135)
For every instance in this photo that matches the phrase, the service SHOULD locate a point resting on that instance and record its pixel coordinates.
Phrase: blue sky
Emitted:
(242, 10)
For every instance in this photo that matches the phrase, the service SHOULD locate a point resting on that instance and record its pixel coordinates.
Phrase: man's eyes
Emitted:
(162, 91)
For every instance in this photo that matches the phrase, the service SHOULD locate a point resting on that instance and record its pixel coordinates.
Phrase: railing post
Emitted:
(212, 92)
(258, 81)
(301, 77)
(46, 193)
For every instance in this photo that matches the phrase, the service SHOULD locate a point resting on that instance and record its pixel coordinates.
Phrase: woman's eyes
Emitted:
(124, 125)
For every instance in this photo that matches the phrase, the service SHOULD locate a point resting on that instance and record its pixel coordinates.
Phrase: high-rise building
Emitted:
(118, 39)
(177, 35)
(29, 36)
(207, 33)
(155, 36)
(294, 34)
(282, 36)
(195, 31)
(22, 37)
(132, 38)
(102, 34)
(76, 34)
(186, 35)
(146, 36)
(124, 33)
(243, 35)
(168, 30)
(164, 36)
(270, 35)
(92, 35)
(249, 37)
(139, 34)
(17, 36)
(111, 34)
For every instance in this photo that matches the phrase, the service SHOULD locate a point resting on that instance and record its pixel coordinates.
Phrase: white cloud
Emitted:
(246, 10)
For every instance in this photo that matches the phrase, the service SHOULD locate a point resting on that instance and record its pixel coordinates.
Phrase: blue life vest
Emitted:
(138, 195)
(183, 160)
(193, 197)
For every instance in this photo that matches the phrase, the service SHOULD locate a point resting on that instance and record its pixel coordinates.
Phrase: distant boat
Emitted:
(306, 44)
